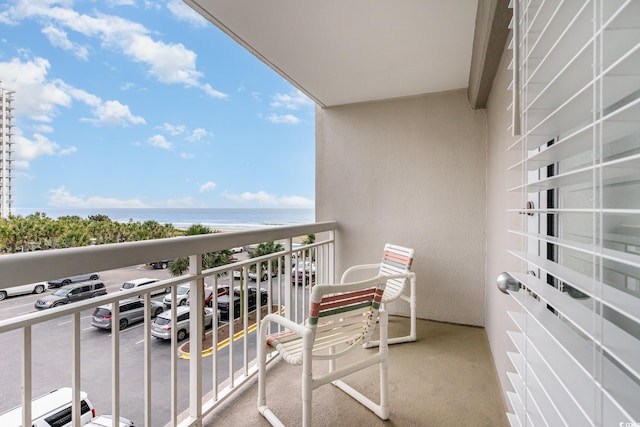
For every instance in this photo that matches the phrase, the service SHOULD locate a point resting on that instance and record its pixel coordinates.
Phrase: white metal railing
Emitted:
(283, 294)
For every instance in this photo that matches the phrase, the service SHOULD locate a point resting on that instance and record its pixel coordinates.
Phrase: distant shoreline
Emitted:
(230, 219)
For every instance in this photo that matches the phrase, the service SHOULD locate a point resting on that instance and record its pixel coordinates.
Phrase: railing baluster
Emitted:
(196, 329)
(26, 375)
(147, 359)
(115, 360)
(77, 369)
(174, 358)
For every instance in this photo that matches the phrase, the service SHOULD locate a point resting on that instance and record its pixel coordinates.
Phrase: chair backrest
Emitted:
(396, 260)
(345, 313)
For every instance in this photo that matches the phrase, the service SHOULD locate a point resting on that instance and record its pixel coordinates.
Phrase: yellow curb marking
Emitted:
(222, 344)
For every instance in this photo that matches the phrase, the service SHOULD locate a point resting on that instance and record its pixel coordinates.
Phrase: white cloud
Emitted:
(167, 62)
(42, 128)
(207, 186)
(60, 197)
(179, 203)
(197, 135)
(58, 38)
(172, 129)
(187, 156)
(292, 101)
(39, 145)
(113, 113)
(289, 119)
(265, 198)
(296, 201)
(182, 12)
(160, 142)
(260, 197)
(41, 98)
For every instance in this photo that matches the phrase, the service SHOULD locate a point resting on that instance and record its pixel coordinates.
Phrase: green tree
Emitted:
(266, 249)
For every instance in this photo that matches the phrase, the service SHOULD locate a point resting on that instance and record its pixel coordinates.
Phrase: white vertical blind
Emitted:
(576, 337)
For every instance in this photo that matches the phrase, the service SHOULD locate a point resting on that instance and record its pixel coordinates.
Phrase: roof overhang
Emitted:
(342, 52)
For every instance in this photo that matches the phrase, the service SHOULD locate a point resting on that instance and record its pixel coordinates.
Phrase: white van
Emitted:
(135, 283)
(51, 410)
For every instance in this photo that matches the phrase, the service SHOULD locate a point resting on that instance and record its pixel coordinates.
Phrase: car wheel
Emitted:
(164, 265)
(183, 302)
(93, 277)
(182, 334)
(264, 278)
(3, 295)
(39, 289)
(123, 324)
(158, 311)
(66, 282)
(167, 290)
(58, 304)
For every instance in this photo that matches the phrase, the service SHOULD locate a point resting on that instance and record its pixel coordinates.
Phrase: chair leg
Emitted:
(307, 381)
(262, 377)
(381, 409)
(413, 335)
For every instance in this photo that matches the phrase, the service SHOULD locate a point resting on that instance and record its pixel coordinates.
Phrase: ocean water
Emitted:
(235, 219)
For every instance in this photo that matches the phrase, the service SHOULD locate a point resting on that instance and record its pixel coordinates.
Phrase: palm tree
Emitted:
(266, 249)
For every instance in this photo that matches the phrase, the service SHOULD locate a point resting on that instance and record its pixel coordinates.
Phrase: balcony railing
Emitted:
(210, 380)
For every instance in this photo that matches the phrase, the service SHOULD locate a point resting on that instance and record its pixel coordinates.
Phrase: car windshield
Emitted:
(182, 290)
(128, 285)
(61, 292)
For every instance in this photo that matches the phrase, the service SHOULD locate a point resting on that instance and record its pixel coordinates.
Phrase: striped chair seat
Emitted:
(341, 318)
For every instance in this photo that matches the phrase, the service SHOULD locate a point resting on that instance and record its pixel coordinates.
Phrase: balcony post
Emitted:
(288, 245)
(196, 330)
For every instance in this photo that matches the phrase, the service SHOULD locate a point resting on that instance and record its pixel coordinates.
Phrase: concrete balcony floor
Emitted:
(446, 378)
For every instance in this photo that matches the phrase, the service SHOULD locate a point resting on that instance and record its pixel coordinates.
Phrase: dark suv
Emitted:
(223, 301)
(71, 293)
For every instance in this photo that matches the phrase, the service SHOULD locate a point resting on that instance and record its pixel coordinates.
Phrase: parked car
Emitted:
(161, 326)
(182, 293)
(162, 264)
(264, 273)
(72, 293)
(304, 273)
(141, 282)
(237, 249)
(73, 279)
(208, 294)
(107, 421)
(131, 311)
(223, 301)
(31, 288)
(51, 409)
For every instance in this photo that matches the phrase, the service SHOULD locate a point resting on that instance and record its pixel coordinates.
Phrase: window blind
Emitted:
(576, 336)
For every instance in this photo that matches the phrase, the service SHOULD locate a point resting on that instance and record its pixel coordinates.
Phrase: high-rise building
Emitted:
(6, 149)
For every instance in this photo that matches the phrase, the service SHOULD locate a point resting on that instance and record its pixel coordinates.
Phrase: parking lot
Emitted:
(52, 362)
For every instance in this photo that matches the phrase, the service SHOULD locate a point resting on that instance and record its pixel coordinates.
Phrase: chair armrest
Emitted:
(350, 270)
(282, 321)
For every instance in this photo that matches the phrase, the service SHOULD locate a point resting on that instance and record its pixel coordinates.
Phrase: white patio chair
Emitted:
(342, 317)
(396, 262)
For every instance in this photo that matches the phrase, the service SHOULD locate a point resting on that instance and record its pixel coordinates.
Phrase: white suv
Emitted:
(161, 326)
(182, 294)
(51, 409)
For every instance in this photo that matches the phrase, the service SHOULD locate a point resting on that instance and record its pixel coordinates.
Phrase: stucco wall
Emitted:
(410, 171)
(499, 220)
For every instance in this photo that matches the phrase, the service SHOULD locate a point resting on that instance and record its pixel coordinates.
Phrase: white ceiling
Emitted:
(347, 51)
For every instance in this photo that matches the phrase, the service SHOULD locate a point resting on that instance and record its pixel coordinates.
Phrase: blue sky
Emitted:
(134, 103)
